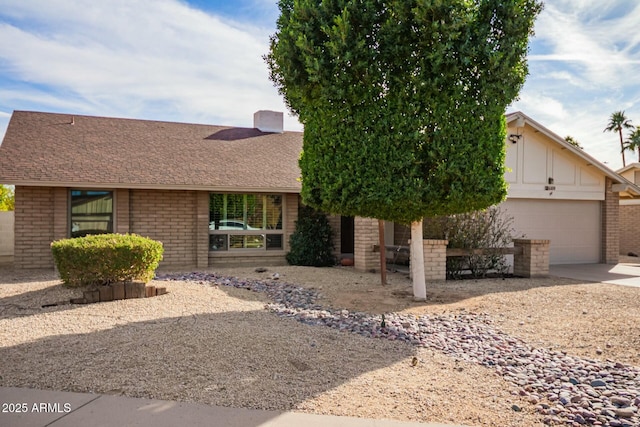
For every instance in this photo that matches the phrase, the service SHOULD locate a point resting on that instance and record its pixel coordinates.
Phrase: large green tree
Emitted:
(617, 122)
(402, 101)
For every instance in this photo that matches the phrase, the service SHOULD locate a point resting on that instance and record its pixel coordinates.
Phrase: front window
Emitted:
(91, 212)
(245, 221)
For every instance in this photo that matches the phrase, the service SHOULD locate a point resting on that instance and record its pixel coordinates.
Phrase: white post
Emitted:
(416, 250)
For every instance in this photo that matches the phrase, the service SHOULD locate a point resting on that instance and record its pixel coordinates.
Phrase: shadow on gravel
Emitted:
(250, 359)
(358, 291)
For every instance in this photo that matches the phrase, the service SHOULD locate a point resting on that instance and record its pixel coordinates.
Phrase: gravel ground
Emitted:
(211, 343)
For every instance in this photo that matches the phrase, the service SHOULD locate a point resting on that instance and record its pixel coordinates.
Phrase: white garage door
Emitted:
(573, 226)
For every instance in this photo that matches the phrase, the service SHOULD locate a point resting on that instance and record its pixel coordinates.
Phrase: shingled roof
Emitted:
(47, 149)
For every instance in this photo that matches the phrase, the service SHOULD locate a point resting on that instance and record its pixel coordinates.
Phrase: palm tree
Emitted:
(617, 122)
(633, 142)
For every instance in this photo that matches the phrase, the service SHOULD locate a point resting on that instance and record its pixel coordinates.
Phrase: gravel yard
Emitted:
(482, 353)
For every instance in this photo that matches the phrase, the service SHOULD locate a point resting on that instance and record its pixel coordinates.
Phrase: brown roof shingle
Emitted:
(47, 149)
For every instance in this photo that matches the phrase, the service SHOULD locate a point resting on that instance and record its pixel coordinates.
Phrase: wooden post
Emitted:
(118, 290)
(92, 296)
(139, 290)
(129, 290)
(106, 293)
(383, 253)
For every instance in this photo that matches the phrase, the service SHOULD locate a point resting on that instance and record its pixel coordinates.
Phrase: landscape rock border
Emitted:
(564, 389)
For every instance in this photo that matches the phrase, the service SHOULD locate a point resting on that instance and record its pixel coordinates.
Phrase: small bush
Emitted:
(106, 258)
(489, 228)
(312, 241)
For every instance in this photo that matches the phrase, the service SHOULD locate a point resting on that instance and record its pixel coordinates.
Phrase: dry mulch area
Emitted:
(217, 345)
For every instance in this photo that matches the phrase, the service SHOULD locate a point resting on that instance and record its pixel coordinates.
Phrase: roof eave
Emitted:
(565, 145)
(142, 186)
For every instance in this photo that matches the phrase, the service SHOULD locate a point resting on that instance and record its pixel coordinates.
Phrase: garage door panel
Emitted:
(572, 226)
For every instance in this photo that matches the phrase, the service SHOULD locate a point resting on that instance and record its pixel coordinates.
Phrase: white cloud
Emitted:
(160, 59)
(599, 44)
(585, 64)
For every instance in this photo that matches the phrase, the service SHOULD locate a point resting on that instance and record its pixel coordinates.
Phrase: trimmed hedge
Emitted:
(106, 258)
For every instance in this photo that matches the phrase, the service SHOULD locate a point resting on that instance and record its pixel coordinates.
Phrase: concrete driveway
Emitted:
(624, 273)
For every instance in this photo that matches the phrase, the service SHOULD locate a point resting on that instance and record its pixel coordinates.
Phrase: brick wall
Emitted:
(435, 259)
(610, 225)
(170, 217)
(534, 260)
(365, 236)
(60, 213)
(179, 219)
(122, 210)
(202, 229)
(34, 227)
(629, 229)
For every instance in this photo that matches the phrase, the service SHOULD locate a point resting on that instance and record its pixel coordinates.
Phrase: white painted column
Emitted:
(417, 262)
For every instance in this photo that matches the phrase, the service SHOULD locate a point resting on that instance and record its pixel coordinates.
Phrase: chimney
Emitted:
(268, 121)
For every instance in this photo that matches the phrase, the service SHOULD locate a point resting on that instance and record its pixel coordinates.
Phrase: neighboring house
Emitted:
(630, 214)
(217, 195)
(560, 193)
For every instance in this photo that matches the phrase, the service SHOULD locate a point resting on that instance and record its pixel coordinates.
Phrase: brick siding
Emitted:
(170, 217)
(629, 230)
(202, 229)
(122, 210)
(610, 225)
(34, 227)
(179, 219)
(365, 236)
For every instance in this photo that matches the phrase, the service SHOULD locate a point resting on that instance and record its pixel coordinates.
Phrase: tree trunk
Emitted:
(416, 250)
(624, 163)
(383, 253)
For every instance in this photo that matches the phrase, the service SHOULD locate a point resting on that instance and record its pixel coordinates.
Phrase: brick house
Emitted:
(560, 193)
(630, 214)
(219, 195)
(211, 194)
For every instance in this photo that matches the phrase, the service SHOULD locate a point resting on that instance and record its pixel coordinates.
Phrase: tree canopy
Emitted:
(402, 101)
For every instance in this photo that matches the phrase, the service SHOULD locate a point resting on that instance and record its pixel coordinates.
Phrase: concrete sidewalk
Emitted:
(63, 409)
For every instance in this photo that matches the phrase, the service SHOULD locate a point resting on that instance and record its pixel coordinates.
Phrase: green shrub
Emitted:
(312, 241)
(489, 228)
(106, 258)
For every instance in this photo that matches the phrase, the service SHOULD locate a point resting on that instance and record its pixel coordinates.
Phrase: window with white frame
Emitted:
(91, 212)
(245, 221)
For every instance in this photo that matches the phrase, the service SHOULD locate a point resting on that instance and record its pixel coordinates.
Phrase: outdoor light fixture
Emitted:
(514, 137)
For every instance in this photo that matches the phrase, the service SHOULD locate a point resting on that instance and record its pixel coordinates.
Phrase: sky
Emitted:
(200, 61)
